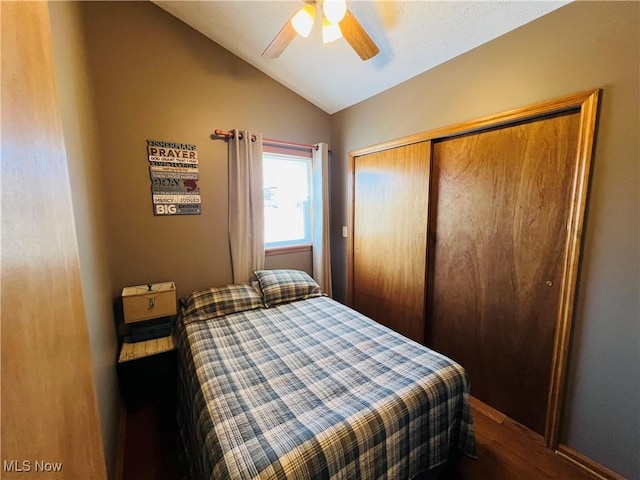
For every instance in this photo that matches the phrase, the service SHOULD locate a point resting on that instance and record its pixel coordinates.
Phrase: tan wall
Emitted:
(85, 172)
(582, 46)
(297, 260)
(156, 78)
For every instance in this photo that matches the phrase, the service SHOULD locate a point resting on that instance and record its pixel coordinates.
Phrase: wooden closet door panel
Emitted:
(49, 406)
(389, 230)
(501, 203)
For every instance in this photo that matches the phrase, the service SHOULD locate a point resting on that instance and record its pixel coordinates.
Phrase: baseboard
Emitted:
(122, 435)
(588, 465)
(486, 410)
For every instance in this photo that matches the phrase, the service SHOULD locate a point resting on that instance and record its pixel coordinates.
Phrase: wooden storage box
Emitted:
(143, 302)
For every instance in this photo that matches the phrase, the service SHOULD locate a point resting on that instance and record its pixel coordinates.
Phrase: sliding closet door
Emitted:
(388, 267)
(501, 201)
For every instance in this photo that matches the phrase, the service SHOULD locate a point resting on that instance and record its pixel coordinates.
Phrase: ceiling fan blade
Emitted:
(359, 40)
(281, 41)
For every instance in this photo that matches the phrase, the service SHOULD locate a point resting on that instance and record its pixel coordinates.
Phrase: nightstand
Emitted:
(147, 371)
(146, 364)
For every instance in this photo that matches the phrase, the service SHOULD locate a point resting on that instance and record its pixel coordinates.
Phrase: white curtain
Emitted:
(246, 205)
(320, 222)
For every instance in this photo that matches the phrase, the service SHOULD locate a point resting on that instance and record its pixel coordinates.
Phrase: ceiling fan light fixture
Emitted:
(334, 26)
(334, 10)
(303, 20)
(330, 31)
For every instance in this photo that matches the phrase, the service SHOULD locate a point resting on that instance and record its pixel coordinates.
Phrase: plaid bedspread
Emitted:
(312, 389)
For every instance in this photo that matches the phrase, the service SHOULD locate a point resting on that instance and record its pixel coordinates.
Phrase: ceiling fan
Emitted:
(337, 21)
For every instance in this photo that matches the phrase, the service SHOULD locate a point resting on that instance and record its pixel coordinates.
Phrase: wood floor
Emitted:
(506, 449)
(150, 447)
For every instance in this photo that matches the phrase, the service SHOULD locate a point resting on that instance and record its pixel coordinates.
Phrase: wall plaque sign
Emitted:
(173, 168)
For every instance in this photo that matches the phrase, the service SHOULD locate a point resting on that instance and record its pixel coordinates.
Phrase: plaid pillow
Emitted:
(219, 301)
(282, 286)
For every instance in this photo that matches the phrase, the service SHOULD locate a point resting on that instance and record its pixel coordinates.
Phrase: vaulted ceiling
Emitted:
(413, 36)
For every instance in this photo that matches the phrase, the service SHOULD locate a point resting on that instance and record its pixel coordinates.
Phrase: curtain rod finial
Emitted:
(222, 133)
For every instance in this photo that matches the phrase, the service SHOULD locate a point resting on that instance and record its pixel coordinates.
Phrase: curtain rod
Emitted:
(270, 141)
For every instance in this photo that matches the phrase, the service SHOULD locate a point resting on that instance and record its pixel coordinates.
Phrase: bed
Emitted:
(278, 381)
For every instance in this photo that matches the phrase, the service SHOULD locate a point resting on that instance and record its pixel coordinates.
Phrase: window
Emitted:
(287, 200)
